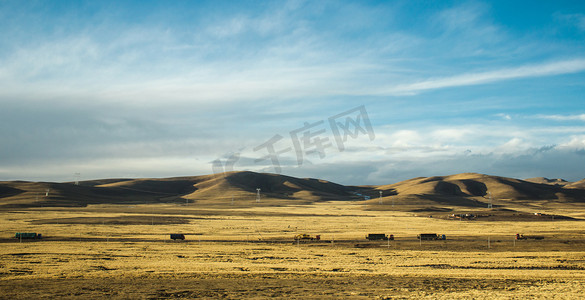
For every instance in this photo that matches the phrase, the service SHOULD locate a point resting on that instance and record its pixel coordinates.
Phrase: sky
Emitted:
(354, 92)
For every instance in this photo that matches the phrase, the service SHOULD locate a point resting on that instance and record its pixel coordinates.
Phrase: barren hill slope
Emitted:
(207, 189)
(240, 188)
(238, 185)
(243, 185)
(576, 185)
(34, 194)
(475, 190)
(544, 180)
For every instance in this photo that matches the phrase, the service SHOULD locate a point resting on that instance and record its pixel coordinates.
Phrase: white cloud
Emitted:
(514, 145)
(580, 117)
(138, 167)
(451, 135)
(576, 143)
(536, 70)
(405, 138)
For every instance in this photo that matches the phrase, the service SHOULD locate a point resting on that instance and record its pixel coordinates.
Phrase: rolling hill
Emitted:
(204, 190)
(439, 193)
(544, 180)
(576, 185)
(475, 190)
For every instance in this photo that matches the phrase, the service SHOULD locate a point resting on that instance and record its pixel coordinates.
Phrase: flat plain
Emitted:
(125, 252)
(235, 249)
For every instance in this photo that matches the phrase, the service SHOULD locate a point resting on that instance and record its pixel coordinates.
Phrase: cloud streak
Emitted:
(469, 79)
(580, 117)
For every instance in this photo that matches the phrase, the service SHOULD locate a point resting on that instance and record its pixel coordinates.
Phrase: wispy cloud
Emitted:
(273, 55)
(576, 20)
(580, 117)
(468, 79)
(504, 116)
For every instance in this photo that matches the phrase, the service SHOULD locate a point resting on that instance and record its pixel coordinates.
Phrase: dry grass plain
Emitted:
(124, 251)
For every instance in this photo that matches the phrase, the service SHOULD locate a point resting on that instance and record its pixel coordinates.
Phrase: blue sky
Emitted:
(165, 88)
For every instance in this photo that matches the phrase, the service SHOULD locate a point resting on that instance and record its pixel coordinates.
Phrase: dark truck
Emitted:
(177, 236)
(379, 236)
(520, 236)
(431, 237)
(28, 235)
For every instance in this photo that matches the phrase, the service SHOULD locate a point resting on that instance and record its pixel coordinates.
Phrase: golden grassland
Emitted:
(124, 251)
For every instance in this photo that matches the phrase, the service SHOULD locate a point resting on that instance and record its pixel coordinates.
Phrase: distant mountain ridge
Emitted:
(240, 188)
(576, 185)
(467, 185)
(207, 189)
(544, 180)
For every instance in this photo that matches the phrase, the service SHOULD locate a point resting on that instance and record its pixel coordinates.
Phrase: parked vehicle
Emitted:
(28, 235)
(525, 237)
(379, 236)
(304, 236)
(431, 237)
(177, 236)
